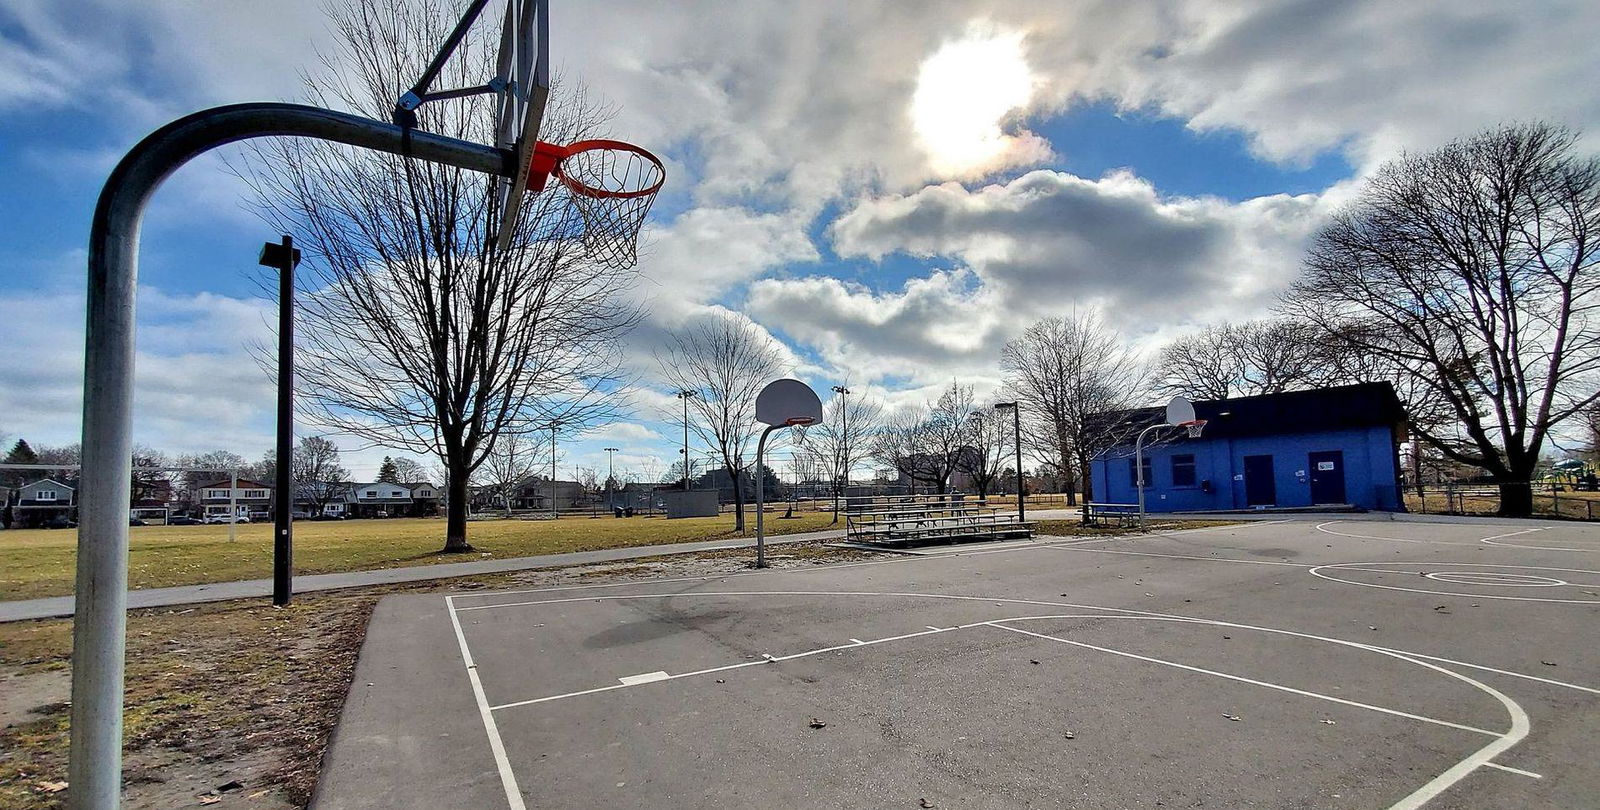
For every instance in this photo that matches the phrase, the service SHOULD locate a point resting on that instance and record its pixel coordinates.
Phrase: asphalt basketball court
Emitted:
(1286, 664)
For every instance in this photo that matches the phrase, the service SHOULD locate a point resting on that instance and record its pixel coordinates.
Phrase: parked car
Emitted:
(224, 519)
(326, 516)
(133, 521)
(185, 520)
(61, 522)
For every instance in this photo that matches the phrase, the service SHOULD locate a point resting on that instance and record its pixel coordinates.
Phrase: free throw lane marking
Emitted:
(508, 780)
(1508, 769)
(630, 680)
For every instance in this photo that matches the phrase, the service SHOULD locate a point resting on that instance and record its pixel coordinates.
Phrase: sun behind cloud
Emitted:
(964, 92)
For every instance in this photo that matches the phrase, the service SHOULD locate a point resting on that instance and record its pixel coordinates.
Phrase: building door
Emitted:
(1327, 476)
(1259, 487)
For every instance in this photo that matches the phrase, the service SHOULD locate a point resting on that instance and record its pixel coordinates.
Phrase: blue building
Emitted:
(1298, 449)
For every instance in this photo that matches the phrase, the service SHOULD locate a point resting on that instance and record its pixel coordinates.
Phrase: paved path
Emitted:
(57, 606)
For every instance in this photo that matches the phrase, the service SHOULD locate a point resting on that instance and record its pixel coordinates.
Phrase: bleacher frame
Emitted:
(907, 520)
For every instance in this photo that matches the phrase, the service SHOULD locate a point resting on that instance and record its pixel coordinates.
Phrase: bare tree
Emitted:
(415, 332)
(728, 361)
(924, 446)
(1063, 371)
(513, 459)
(409, 471)
(1470, 271)
(843, 438)
(1266, 356)
(983, 454)
(318, 472)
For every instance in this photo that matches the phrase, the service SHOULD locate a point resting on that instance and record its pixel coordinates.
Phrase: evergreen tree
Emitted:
(21, 453)
(389, 473)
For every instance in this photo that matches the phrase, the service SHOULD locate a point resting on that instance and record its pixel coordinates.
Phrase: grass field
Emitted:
(39, 562)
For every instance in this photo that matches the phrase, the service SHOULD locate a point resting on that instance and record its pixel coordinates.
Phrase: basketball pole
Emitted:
(99, 631)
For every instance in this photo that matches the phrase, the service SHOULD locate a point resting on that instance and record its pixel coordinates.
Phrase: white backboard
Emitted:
(1180, 410)
(788, 402)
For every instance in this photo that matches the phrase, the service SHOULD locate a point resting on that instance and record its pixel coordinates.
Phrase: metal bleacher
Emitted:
(905, 520)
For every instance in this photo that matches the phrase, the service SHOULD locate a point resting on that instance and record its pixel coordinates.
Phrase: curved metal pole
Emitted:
(1138, 468)
(761, 537)
(99, 629)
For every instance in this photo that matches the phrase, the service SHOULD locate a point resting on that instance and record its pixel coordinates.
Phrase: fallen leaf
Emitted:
(1031, 661)
(210, 799)
(815, 723)
(925, 803)
(1326, 721)
(1548, 663)
(1234, 717)
(1069, 735)
(50, 787)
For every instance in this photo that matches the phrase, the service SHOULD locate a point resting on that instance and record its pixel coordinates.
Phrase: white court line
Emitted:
(1045, 603)
(1318, 572)
(1508, 769)
(1181, 556)
(1241, 679)
(647, 677)
(508, 780)
(1321, 527)
(1491, 541)
(766, 658)
(1519, 720)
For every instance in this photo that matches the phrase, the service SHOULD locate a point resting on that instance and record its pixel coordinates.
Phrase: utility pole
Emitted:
(555, 424)
(283, 257)
(684, 395)
(611, 501)
(1016, 415)
(841, 465)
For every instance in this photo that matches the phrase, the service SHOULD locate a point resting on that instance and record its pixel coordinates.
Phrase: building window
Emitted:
(370, 494)
(255, 493)
(1183, 470)
(46, 495)
(1133, 476)
(216, 493)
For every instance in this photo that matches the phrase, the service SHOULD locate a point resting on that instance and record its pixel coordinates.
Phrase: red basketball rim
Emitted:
(575, 147)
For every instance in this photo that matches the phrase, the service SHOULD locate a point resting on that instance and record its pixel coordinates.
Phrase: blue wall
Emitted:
(1369, 470)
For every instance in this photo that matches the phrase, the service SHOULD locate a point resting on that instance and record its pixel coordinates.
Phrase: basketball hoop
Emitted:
(612, 183)
(1193, 426)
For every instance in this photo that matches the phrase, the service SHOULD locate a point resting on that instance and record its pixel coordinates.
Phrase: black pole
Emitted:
(284, 257)
(1022, 495)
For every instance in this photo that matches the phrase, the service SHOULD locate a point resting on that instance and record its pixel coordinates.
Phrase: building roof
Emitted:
(244, 483)
(1338, 408)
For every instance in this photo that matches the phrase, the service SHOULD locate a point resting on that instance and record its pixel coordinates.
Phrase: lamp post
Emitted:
(1016, 415)
(611, 502)
(555, 424)
(684, 395)
(842, 464)
(283, 257)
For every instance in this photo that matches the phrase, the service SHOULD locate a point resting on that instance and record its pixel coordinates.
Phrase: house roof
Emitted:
(53, 481)
(244, 483)
(1338, 408)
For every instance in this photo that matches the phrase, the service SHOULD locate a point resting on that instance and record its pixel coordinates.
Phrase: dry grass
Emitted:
(39, 562)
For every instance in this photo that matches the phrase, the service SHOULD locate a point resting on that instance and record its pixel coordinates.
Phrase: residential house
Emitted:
(378, 500)
(38, 503)
(425, 499)
(1322, 447)
(250, 499)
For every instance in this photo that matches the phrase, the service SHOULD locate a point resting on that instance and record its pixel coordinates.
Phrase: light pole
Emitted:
(842, 462)
(684, 395)
(1016, 415)
(611, 502)
(283, 257)
(555, 424)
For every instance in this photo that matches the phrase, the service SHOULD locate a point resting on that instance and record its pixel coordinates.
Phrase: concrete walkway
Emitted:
(57, 606)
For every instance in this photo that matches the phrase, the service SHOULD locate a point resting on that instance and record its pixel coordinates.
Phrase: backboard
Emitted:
(524, 68)
(788, 402)
(1179, 411)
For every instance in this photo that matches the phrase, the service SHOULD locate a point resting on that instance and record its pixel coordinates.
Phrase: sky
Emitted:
(891, 190)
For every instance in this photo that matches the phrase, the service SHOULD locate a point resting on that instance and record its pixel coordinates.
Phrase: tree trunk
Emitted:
(738, 504)
(1516, 498)
(455, 524)
(1086, 475)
